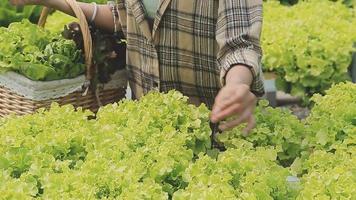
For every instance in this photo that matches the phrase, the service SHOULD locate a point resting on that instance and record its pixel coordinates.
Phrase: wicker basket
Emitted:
(11, 102)
(14, 103)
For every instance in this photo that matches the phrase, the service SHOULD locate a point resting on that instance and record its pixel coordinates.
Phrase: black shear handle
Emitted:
(215, 131)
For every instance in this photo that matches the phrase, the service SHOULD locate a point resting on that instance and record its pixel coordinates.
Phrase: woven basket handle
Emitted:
(84, 27)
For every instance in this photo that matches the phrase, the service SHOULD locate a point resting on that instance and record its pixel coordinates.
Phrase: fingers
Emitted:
(226, 113)
(221, 102)
(225, 103)
(224, 100)
(235, 108)
(229, 95)
(237, 101)
(233, 123)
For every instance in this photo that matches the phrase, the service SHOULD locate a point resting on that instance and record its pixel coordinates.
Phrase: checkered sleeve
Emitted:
(238, 34)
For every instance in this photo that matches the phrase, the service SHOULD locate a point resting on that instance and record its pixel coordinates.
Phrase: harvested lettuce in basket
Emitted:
(38, 54)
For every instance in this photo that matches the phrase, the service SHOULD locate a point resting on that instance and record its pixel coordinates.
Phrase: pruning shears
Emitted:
(215, 131)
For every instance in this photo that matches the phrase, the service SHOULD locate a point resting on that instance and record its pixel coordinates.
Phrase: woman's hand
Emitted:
(235, 101)
(103, 19)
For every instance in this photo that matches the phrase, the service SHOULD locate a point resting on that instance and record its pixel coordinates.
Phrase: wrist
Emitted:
(239, 75)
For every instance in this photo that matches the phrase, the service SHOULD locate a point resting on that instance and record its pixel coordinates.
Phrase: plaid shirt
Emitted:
(192, 45)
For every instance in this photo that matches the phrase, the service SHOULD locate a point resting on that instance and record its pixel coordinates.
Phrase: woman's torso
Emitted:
(177, 52)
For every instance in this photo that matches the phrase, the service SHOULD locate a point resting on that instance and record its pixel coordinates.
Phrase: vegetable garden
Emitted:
(314, 50)
(160, 147)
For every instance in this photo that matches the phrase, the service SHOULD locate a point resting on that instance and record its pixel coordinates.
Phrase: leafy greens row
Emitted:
(159, 148)
(308, 45)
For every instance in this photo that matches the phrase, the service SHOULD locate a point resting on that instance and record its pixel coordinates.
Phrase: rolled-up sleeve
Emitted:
(238, 34)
